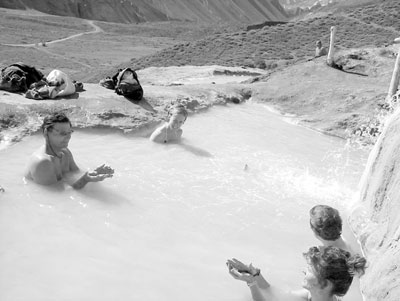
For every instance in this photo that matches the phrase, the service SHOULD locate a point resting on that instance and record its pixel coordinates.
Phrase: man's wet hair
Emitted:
(56, 117)
(326, 222)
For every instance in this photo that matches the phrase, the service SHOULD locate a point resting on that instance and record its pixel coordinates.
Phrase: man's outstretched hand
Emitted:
(100, 173)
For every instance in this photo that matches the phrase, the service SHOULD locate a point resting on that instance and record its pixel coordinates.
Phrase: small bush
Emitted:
(260, 63)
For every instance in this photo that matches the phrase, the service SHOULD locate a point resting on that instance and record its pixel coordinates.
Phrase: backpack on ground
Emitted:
(126, 83)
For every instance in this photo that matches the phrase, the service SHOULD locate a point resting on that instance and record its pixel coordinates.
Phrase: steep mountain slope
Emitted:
(132, 11)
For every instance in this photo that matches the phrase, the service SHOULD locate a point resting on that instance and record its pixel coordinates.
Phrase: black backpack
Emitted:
(126, 83)
(18, 77)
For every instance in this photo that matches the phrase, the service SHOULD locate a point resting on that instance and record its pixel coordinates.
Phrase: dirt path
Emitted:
(41, 47)
(96, 29)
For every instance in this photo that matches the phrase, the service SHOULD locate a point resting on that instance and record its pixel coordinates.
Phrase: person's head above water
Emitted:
(332, 268)
(177, 116)
(57, 131)
(178, 109)
(52, 119)
(326, 222)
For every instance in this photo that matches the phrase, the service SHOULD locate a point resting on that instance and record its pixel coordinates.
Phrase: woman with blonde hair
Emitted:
(171, 131)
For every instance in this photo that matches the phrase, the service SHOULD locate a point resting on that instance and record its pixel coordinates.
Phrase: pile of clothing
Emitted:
(22, 78)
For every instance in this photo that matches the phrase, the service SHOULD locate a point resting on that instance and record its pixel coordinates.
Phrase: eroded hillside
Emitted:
(132, 11)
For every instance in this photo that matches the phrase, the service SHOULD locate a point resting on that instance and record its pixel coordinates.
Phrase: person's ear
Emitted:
(46, 133)
(328, 287)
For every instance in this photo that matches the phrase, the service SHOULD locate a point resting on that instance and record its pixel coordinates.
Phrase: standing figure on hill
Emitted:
(320, 50)
(171, 131)
(54, 161)
(328, 276)
(326, 224)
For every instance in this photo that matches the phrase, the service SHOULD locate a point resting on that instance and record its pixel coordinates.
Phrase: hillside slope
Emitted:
(132, 11)
(374, 25)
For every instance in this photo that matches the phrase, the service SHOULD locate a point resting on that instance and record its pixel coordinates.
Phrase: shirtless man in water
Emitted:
(54, 161)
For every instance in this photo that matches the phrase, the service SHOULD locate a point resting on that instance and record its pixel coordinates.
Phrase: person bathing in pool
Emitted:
(326, 224)
(54, 161)
(171, 131)
(328, 276)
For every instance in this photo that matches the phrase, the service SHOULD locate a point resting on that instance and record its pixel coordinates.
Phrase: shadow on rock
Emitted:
(72, 96)
(143, 103)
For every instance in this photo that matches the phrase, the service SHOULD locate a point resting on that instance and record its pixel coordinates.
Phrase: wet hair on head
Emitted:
(326, 222)
(336, 266)
(178, 109)
(56, 117)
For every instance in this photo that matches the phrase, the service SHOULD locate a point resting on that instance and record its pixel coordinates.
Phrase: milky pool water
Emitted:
(239, 185)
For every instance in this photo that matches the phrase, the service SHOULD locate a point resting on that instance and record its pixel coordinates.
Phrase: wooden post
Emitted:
(394, 83)
(329, 59)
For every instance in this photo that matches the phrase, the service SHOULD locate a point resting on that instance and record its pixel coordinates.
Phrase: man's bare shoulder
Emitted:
(39, 157)
(41, 169)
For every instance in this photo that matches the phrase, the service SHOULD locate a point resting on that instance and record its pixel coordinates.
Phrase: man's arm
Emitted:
(72, 165)
(99, 174)
(252, 276)
(81, 182)
(260, 289)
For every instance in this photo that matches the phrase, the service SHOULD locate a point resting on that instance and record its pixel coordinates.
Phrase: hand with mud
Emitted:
(100, 173)
(241, 271)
